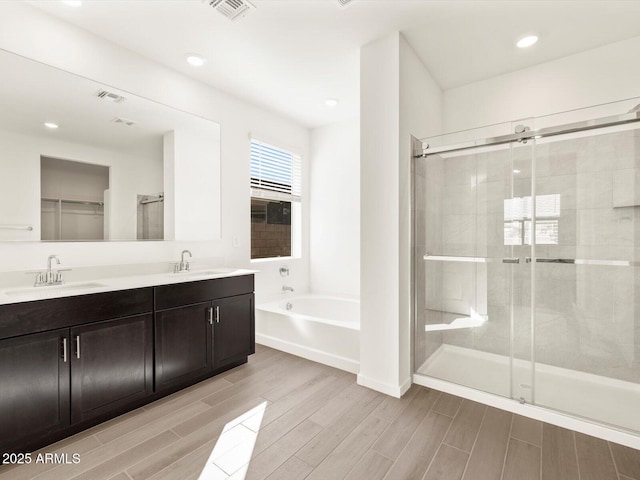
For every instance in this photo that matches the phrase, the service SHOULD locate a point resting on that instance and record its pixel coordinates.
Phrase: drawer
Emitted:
(169, 296)
(42, 315)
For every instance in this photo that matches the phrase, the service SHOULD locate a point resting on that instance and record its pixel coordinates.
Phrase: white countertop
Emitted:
(27, 294)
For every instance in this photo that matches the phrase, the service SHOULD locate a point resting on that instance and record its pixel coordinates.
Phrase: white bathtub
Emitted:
(321, 328)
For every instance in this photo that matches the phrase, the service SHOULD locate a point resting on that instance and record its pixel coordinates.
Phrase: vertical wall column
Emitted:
(398, 99)
(379, 223)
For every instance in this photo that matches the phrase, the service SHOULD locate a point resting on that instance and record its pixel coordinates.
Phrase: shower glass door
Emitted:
(472, 236)
(587, 286)
(527, 262)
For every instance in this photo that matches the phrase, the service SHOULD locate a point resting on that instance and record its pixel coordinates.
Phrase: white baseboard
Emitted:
(309, 353)
(383, 387)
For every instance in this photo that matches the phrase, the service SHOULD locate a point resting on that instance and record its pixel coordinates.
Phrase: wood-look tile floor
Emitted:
(318, 424)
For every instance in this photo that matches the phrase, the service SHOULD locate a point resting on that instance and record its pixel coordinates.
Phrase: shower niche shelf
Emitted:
(456, 321)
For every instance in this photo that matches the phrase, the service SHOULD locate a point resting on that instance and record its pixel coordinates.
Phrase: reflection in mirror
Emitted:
(73, 196)
(81, 161)
(150, 218)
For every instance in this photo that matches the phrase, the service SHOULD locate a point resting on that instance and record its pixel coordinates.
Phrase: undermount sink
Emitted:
(209, 272)
(46, 291)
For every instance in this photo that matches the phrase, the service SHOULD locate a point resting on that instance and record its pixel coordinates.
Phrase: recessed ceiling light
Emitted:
(195, 60)
(72, 3)
(51, 125)
(516, 171)
(331, 102)
(527, 41)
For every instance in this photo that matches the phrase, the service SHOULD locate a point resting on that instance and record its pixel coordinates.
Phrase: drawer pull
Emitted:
(217, 314)
(78, 346)
(64, 349)
(210, 315)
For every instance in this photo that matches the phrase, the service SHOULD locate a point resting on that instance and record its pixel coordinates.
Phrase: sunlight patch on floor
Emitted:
(231, 456)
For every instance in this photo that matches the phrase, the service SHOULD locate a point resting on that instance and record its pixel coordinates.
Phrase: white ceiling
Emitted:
(35, 93)
(290, 55)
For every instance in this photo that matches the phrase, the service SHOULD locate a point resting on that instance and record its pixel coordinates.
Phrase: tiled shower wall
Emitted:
(584, 314)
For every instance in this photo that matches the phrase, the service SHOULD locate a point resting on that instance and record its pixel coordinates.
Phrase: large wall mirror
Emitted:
(83, 161)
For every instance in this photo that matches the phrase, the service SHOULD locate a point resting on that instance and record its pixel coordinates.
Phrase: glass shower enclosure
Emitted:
(526, 247)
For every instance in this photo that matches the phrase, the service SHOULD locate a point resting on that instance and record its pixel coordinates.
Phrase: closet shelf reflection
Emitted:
(75, 202)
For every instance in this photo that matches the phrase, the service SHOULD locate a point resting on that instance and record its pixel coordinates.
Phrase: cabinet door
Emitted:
(111, 365)
(234, 332)
(183, 345)
(34, 387)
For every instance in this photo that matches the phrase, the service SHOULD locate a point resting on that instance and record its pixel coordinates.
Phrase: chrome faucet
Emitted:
(285, 288)
(49, 277)
(183, 266)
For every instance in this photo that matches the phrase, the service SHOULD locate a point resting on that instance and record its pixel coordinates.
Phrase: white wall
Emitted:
(30, 32)
(379, 200)
(601, 75)
(398, 98)
(192, 163)
(335, 209)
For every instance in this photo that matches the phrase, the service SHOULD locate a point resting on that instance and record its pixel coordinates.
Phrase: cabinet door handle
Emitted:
(217, 314)
(78, 346)
(64, 349)
(210, 315)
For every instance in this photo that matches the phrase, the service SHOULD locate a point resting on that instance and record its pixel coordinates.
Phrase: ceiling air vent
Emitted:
(124, 121)
(110, 96)
(232, 9)
(345, 3)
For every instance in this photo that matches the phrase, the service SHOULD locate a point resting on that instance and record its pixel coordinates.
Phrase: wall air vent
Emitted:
(110, 96)
(124, 121)
(232, 9)
(345, 3)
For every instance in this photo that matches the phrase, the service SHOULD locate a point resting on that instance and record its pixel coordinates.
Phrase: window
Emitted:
(276, 196)
(517, 220)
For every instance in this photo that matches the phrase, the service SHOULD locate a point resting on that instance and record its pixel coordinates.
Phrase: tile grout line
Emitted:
(506, 452)
(524, 441)
(413, 434)
(167, 446)
(474, 442)
(434, 457)
(294, 453)
(369, 449)
(454, 447)
(334, 448)
(613, 459)
(103, 462)
(541, 450)
(442, 442)
(575, 450)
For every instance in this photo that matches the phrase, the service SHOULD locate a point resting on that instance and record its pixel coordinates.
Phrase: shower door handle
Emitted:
(511, 260)
(556, 260)
(551, 260)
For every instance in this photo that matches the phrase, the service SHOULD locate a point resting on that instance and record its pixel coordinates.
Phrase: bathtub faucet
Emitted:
(287, 289)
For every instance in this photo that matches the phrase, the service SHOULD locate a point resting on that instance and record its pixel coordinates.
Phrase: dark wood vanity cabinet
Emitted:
(69, 363)
(111, 365)
(34, 387)
(201, 328)
(183, 345)
(233, 332)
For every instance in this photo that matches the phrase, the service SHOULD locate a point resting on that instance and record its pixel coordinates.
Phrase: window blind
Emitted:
(275, 173)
